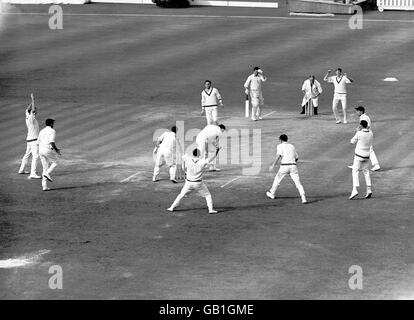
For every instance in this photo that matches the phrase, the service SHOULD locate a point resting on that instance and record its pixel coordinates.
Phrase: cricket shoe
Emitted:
(214, 170)
(351, 167)
(174, 181)
(212, 211)
(304, 201)
(338, 121)
(170, 209)
(376, 167)
(260, 118)
(47, 177)
(34, 176)
(23, 172)
(155, 179)
(270, 195)
(369, 195)
(46, 189)
(345, 122)
(353, 195)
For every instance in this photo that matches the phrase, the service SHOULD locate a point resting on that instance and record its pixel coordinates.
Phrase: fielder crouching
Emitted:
(194, 167)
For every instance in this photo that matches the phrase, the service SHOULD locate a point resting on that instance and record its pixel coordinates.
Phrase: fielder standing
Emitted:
(363, 140)
(311, 89)
(253, 85)
(165, 151)
(31, 141)
(48, 152)
(360, 110)
(210, 101)
(208, 141)
(286, 152)
(194, 168)
(340, 81)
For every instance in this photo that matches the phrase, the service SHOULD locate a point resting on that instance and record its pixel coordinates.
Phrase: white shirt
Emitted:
(32, 126)
(167, 141)
(315, 90)
(255, 82)
(210, 98)
(209, 133)
(339, 83)
(194, 167)
(288, 153)
(363, 140)
(46, 136)
(366, 118)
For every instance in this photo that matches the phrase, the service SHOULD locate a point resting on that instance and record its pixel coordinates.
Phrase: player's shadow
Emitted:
(268, 204)
(88, 186)
(386, 169)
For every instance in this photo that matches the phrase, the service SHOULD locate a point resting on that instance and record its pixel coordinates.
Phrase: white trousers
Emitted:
(336, 99)
(165, 157)
(256, 98)
(32, 148)
(211, 114)
(373, 157)
(49, 162)
(190, 187)
(360, 164)
(294, 174)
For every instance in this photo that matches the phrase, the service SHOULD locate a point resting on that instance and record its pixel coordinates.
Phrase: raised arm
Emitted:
(326, 77)
(350, 79)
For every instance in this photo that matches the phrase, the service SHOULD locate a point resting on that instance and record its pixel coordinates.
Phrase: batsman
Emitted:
(167, 147)
(253, 85)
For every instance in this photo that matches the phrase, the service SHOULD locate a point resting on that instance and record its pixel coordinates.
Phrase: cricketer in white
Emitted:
(210, 101)
(253, 85)
(165, 153)
(31, 141)
(363, 140)
(47, 152)
(289, 157)
(194, 167)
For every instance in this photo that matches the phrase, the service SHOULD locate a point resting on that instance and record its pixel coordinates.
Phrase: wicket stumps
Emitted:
(309, 108)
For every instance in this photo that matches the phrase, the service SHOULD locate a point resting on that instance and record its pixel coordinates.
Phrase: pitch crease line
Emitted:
(228, 182)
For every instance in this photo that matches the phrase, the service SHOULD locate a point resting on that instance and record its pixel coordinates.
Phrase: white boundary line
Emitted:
(232, 180)
(268, 114)
(199, 16)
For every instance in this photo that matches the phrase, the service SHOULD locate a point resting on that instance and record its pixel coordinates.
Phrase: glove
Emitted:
(246, 91)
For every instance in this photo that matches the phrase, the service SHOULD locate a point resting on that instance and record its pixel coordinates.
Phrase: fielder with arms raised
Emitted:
(31, 141)
(194, 168)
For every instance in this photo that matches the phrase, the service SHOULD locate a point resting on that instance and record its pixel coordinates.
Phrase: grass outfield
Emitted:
(111, 80)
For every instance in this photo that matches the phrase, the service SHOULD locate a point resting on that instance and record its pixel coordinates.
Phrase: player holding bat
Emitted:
(253, 86)
(165, 153)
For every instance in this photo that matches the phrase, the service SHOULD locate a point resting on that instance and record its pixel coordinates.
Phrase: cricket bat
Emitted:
(246, 106)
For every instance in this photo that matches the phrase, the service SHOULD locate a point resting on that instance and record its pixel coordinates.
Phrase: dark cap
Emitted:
(49, 121)
(360, 108)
